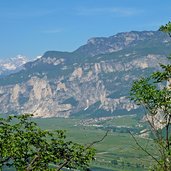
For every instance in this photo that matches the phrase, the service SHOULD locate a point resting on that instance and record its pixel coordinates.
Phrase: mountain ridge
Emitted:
(93, 80)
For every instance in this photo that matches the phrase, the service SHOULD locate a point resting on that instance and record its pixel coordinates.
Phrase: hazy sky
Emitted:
(31, 27)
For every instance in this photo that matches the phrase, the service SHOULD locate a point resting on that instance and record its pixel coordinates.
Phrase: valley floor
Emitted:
(118, 151)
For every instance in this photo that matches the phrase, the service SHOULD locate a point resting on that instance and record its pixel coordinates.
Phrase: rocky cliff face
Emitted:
(92, 81)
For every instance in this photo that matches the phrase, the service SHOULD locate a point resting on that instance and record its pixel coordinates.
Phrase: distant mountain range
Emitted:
(92, 81)
(12, 65)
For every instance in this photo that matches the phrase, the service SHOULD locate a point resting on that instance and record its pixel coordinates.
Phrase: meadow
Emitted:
(118, 151)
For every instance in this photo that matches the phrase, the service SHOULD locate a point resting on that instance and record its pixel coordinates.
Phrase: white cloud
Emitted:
(52, 31)
(21, 14)
(119, 11)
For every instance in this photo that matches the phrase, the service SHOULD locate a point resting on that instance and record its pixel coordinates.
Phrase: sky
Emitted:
(32, 27)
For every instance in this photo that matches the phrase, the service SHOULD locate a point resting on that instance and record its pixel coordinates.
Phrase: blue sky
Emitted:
(31, 27)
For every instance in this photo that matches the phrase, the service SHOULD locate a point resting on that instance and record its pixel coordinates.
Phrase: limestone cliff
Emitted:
(92, 81)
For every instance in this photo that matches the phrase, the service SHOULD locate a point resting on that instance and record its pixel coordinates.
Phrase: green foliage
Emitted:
(25, 146)
(154, 94)
(166, 28)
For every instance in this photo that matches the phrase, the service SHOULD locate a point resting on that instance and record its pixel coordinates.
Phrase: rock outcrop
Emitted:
(92, 81)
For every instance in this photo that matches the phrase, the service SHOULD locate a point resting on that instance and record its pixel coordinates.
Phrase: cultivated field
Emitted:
(118, 151)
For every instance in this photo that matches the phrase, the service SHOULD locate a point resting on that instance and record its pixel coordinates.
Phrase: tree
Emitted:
(26, 147)
(154, 94)
(166, 28)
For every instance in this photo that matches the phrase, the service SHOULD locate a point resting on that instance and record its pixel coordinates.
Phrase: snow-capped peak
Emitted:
(12, 64)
